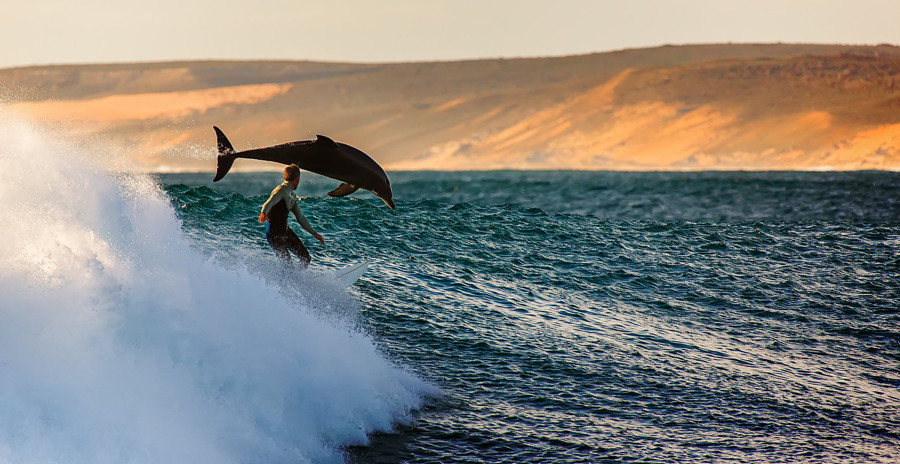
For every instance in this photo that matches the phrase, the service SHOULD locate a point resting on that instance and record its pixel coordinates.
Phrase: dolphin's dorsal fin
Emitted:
(343, 190)
(325, 140)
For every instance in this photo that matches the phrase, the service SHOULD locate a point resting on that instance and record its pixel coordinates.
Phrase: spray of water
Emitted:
(119, 343)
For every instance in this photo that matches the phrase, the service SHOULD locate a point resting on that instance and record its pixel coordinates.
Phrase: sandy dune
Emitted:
(668, 108)
(142, 106)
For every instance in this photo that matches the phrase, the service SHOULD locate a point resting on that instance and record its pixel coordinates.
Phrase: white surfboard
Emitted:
(345, 276)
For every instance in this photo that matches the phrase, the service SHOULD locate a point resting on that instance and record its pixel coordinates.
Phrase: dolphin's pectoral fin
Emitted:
(343, 190)
(325, 140)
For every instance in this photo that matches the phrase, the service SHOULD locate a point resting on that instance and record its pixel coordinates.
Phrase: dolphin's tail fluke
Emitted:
(226, 155)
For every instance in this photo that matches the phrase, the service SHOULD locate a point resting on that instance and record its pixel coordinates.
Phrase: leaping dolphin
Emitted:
(322, 156)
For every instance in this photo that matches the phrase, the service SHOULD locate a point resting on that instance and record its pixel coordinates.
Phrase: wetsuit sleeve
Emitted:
(301, 219)
(273, 200)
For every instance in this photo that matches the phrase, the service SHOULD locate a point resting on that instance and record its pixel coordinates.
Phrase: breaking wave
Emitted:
(121, 343)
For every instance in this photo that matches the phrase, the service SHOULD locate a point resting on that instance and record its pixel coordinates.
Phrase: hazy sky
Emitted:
(91, 31)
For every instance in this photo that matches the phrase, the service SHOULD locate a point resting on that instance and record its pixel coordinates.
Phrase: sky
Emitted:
(107, 31)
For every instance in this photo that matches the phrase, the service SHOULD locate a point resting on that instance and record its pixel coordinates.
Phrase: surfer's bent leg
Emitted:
(295, 246)
(277, 242)
(287, 243)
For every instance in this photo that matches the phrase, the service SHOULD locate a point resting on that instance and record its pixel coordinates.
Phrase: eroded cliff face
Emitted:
(670, 108)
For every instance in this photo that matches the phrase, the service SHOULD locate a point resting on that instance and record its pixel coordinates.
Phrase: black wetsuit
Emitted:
(282, 239)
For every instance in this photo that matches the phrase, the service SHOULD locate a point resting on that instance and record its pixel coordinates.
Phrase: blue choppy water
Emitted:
(611, 317)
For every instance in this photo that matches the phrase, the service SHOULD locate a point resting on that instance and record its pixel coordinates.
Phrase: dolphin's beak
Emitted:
(386, 199)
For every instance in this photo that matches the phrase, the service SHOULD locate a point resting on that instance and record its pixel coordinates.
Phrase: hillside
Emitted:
(777, 106)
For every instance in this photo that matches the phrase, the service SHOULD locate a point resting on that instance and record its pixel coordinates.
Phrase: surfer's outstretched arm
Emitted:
(304, 223)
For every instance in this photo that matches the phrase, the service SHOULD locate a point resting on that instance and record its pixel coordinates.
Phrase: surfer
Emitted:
(275, 211)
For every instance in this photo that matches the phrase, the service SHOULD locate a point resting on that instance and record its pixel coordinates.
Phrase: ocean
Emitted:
(522, 317)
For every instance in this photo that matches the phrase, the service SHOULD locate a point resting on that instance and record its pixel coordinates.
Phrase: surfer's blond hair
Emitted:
(292, 173)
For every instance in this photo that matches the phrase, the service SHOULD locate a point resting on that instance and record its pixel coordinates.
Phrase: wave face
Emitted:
(121, 343)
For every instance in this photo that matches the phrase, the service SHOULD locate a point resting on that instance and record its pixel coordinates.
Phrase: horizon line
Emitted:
(437, 60)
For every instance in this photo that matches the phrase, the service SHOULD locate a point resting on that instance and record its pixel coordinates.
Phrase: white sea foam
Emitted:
(121, 344)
